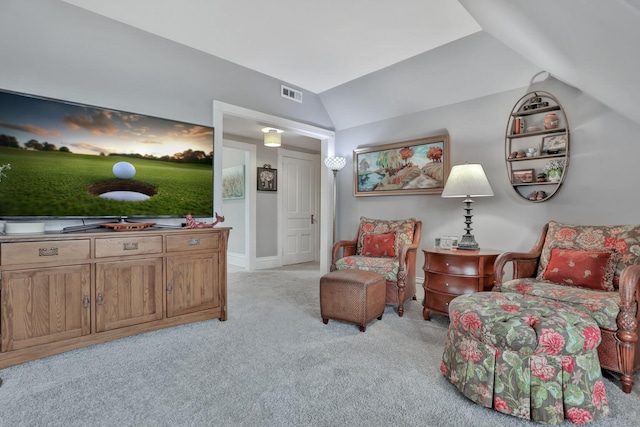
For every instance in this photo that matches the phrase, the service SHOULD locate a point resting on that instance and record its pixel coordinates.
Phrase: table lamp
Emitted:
(467, 180)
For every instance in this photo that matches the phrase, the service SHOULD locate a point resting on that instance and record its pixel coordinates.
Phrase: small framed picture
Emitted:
(554, 144)
(449, 241)
(267, 179)
(522, 176)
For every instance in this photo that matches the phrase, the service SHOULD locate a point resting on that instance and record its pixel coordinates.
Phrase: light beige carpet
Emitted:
(272, 363)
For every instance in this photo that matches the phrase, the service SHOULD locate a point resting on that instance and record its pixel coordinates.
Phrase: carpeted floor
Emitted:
(272, 363)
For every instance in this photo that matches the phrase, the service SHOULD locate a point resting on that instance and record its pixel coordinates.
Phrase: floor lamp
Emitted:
(335, 164)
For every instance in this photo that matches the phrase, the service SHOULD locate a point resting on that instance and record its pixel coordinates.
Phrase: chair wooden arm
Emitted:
(627, 322)
(524, 265)
(405, 251)
(629, 288)
(410, 250)
(348, 248)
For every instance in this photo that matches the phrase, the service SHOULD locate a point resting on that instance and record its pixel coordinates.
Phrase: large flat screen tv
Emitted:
(71, 160)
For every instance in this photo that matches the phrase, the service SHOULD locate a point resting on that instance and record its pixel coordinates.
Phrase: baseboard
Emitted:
(238, 259)
(263, 263)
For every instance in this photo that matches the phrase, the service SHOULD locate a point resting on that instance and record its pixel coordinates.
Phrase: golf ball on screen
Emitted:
(124, 170)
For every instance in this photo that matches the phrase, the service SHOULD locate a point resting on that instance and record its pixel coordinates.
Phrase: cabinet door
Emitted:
(44, 306)
(192, 283)
(128, 293)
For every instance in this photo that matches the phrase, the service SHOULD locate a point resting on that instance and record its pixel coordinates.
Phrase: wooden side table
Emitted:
(449, 273)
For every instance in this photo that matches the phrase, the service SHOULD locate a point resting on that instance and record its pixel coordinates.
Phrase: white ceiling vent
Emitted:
(292, 94)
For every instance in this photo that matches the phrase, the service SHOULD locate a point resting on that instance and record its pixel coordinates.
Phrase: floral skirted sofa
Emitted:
(535, 346)
(525, 356)
(595, 269)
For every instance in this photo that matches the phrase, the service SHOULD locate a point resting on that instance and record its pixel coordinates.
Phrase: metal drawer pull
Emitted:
(194, 242)
(48, 251)
(130, 246)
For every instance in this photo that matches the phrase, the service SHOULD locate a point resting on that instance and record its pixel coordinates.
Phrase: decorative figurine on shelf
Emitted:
(542, 177)
(554, 169)
(550, 121)
(192, 223)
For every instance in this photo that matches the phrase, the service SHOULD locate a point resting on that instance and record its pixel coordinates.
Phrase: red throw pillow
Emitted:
(586, 269)
(379, 245)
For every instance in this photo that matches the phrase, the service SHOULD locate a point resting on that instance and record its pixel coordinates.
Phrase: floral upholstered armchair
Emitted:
(595, 269)
(387, 247)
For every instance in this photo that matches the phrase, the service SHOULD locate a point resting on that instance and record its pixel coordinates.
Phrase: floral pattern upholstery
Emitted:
(622, 238)
(388, 267)
(602, 306)
(525, 356)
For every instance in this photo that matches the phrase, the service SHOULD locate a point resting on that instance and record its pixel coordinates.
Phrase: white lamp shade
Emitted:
(335, 163)
(467, 180)
(272, 137)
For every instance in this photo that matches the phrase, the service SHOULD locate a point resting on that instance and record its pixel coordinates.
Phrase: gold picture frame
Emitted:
(419, 166)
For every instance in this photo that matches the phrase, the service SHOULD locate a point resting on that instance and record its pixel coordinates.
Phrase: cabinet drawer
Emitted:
(193, 242)
(118, 246)
(457, 285)
(439, 302)
(452, 264)
(45, 251)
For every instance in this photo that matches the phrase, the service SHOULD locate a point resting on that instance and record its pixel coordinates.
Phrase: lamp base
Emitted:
(468, 243)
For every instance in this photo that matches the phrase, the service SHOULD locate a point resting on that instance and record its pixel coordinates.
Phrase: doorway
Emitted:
(325, 208)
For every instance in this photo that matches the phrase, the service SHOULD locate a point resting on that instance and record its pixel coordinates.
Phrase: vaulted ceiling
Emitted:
(371, 60)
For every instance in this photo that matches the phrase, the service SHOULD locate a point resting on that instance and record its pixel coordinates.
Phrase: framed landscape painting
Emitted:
(233, 182)
(419, 166)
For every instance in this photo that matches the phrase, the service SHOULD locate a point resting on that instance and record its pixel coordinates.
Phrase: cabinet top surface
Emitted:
(104, 232)
(462, 253)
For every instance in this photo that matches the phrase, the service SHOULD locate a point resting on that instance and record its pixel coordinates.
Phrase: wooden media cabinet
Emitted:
(59, 292)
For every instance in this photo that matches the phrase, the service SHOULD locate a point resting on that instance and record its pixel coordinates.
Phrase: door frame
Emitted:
(327, 148)
(250, 190)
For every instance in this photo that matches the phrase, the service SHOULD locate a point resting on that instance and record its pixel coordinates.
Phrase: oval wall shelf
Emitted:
(537, 132)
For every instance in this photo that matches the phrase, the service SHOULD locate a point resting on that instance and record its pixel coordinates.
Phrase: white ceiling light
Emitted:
(272, 137)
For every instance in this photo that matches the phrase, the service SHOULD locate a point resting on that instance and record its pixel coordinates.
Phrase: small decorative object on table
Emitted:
(192, 223)
(449, 241)
(127, 226)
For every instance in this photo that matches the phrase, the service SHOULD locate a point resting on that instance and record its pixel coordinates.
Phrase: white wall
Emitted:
(53, 49)
(600, 186)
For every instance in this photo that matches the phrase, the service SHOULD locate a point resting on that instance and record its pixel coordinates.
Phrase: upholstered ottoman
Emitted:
(525, 356)
(355, 296)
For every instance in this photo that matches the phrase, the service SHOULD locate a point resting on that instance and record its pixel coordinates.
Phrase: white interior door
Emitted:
(300, 183)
